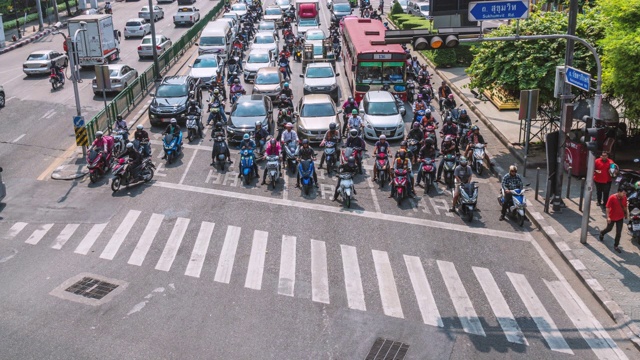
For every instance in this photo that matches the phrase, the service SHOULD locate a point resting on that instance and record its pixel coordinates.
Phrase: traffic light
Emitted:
(590, 139)
(434, 42)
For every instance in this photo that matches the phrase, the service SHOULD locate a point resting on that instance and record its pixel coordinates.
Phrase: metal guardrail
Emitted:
(131, 96)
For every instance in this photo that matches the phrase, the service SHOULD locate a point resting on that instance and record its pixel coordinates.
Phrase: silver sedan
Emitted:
(120, 75)
(145, 49)
(39, 62)
(145, 13)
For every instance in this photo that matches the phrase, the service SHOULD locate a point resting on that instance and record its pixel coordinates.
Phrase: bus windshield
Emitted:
(376, 72)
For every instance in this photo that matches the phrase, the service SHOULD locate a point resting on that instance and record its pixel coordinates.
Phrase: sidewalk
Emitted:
(31, 33)
(614, 279)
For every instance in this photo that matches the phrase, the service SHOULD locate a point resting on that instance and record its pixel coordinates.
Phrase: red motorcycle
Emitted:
(55, 80)
(98, 164)
(356, 152)
(400, 188)
(427, 173)
(382, 165)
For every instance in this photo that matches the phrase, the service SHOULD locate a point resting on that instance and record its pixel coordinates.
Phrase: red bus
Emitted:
(368, 66)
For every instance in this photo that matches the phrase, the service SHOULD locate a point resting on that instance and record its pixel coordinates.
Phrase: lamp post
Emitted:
(152, 20)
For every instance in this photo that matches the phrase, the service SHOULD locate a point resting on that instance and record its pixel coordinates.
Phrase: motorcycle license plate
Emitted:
(618, 179)
(635, 227)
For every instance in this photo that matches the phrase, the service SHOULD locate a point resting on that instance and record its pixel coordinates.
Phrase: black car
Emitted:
(244, 114)
(2, 97)
(172, 99)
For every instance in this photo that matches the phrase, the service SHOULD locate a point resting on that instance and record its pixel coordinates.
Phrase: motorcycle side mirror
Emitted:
(338, 74)
(339, 112)
(196, 44)
(190, 66)
(301, 75)
(228, 112)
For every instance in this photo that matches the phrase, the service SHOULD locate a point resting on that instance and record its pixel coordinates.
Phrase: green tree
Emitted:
(531, 64)
(396, 8)
(621, 47)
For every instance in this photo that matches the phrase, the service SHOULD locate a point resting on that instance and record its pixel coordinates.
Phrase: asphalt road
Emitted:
(209, 268)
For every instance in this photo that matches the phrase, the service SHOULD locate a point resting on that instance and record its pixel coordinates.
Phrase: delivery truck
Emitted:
(308, 15)
(100, 43)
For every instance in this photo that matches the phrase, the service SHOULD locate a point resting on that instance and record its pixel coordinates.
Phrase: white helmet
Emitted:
(129, 145)
(383, 137)
(140, 127)
(174, 121)
(99, 133)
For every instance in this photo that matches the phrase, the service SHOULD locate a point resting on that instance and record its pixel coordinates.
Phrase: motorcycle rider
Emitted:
(216, 112)
(288, 135)
(381, 146)
(348, 107)
(285, 102)
(510, 181)
(247, 143)
(283, 61)
(232, 62)
(306, 153)
(403, 162)
(57, 71)
(107, 8)
(135, 160)
(472, 140)
(449, 128)
(286, 91)
(103, 143)
(462, 175)
(355, 141)
(121, 126)
(448, 147)
(349, 167)
(428, 150)
(219, 130)
(416, 133)
(273, 149)
(443, 93)
(236, 88)
(332, 135)
(141, 139)
(418, 105)
(355, 122)
(174, 129)
(464, 122)
(194, 109)
(261, 135)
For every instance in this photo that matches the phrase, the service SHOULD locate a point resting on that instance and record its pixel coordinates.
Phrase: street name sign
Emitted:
(498, 10)
(578, 78)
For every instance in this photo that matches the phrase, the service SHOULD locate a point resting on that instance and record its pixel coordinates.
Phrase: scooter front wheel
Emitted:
(115, 183)
(519, 219)
(149, 176)
(347, 201)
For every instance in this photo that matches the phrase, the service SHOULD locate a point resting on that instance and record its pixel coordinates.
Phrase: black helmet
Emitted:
(402, 155)
(403, 143)
(351, 161)
(219, 124)
(305, 142)
(463, 112)
(351, 99)
(428, 142)
(332, 126)
(119, 117)
(448, 119)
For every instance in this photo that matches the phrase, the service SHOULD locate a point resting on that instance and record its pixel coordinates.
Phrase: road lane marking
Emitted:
(374, 195)
(539, 314)
(149, 233)
(57, 162)
(15, 230)
(519, 236)
(64, 236)
(319, 272)
(91, 237)
(200, 249)
(287, 277)
(387, 285)
(186, 170)
(352, 278)
(120, 235)
(422, 289)
(227, 255)
(18, 138)
(461, 301)
(499, 306)
(38, 234)
(256, 260)
(173, 244)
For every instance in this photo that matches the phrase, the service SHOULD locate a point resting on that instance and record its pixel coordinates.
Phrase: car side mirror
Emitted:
(338, 74)
(196, 44)
(339, 112)
(190, 66)
(353, 67)
(302, 76)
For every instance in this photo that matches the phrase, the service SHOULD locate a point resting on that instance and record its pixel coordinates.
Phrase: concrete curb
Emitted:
(24, 41)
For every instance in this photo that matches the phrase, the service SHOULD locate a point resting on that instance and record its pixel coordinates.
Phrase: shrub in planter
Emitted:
(412, 24)
(442, 58)
(396, 9)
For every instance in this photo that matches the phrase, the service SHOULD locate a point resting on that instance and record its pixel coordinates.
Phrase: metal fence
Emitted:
(131, 96)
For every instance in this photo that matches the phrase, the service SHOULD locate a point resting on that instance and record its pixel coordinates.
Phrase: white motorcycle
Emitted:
(273, 164)
(119, 143)
(346, 189)
(478, 158)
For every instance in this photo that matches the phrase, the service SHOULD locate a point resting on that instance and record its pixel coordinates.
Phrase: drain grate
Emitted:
(384, 349)
(91, 288)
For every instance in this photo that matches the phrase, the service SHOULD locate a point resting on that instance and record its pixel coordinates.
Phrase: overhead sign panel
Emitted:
(498, 10)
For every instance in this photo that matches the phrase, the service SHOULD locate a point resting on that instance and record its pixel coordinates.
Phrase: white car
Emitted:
(284, 4)
(265, 40)
(39, 62)
(145, 49)
(257, 59)
(404, 4)
(273, 13)
(239, 8)
(204, 68)
(145, 13)
(319, 78)
(268, 26)
(314, 36)
(136, 27)
(381, 116)
(420, 8)
(120, 75)
(307, 24)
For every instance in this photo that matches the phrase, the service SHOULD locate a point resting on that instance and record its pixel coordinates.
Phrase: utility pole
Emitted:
(152, 20)
(40, 21)
(565, 99)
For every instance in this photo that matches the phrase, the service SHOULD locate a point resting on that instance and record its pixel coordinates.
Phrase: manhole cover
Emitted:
(89, 289)
(384, 349)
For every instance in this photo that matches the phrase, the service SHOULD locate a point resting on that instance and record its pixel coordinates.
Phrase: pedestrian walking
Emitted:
(602, 178)
(616, 213)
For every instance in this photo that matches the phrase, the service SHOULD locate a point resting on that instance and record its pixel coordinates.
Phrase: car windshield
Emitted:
(307, 22)
(267, 78)
(147, 40)
(314, 35)
(249, 109)
(342, 8)
(402, 2)
(319, 72)
(317, 110)
(211, 41)
(282, 2)
(205, 63)
(144, 9)
(424, 8)
(114, 72)
(267, 25)
(273, 11)
(380, 108)
(239, 7)
(264, 39)
(258, 58)
(133, 23)
(171, 90)
(37, 57)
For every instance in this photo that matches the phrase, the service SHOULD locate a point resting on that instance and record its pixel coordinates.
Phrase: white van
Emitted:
(216, 38)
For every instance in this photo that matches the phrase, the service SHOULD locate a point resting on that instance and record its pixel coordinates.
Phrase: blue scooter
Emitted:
(172, 145)
(246, 165)
(306, 169)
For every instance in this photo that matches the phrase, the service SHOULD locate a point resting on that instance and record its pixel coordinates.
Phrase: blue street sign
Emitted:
(578, 78)
(498, 10)
(78, 121)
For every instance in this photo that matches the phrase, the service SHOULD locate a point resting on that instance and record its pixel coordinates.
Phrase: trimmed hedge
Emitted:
(412, 24)
(11, 24)
(459, 56)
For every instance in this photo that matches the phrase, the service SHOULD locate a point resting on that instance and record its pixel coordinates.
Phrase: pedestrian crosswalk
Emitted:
(390, 279)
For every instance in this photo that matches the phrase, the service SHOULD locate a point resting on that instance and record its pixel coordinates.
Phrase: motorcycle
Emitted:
(236, 95)
(427, 173)
(634, 224)
(292, 150)
(193, 127)
(55, 80)
(356, 152)
(273, 164)
(382, 164)
(171, 145)
(330, 155)
(220, 150)
(142, 147)
(297, 53)
(413, 147)
(246, 165)
(119, 143)
(628, 177)
(283, 70)
(455, 113)
(517, 206)
(400, 104)
(145, 173)
(449, 166)
(400, 185)
(346, 188)
(306, 169)
(411, 91)
(478, 158)
(468, 200)
(98, 164)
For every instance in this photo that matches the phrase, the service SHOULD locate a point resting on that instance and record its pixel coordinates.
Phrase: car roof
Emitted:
(41, 52)
(116, 66)
(319, 65)
(260, 51)
(316, 99)
(136, 19)
(269, 70)
(207, 56)
(379, 95)
(267, 21)
(253, 98)
(178, 79)
(273, 7)
(315, 31)
(265, 33)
